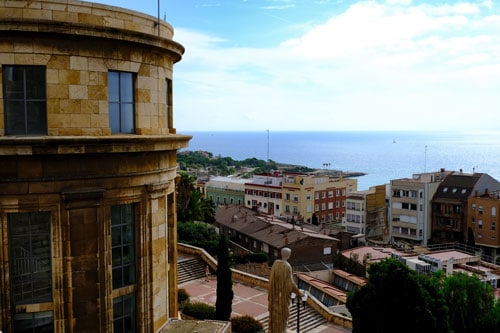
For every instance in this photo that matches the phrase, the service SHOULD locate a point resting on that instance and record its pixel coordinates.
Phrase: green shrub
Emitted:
(246, 324)
(182, 295)
(199, 310)
(258, 258)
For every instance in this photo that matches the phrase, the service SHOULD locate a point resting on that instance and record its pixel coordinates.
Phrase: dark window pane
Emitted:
(124, 314)
(15, 117)
(37, 117)
(35, 83)
(116, 236)
(37, 322)
(118, 278)
(13, 80)
(128, 234)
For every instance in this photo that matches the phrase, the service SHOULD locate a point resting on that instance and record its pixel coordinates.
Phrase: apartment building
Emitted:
(482, 224)
(330, 201)
(450, 204)
(366, 212)
(410, 207)
(264, 193)
(225, 190)
(88, 168)
(307, 195)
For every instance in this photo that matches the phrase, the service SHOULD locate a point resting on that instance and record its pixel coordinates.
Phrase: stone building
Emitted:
(87, 168)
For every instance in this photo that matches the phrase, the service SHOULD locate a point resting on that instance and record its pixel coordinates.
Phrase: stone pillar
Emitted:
(83, 248)
(172, 255)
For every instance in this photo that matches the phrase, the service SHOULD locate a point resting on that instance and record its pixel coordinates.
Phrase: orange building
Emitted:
(482, 223)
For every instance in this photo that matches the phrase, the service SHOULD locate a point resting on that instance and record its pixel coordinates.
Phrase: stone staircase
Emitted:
(190, 269)
(309, 319)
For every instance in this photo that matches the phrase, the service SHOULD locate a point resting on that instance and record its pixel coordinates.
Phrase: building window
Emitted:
(308, 197)
(168, 103)
(30, 257)
(121, 102)
(480, 224)
(295, 197)
(480, 210)
(122, 245)
(25, 100)
(295, 209)
(493, 211)
(124, 313)
(493, 226)
(287, 196)
(34, 322)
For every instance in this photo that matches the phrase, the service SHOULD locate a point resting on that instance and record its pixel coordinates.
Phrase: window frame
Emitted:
(29, 103)
(122, 246)
(169, 103)
(117, 126)
(34, 276)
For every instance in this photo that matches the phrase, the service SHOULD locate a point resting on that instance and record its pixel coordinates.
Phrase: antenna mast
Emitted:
(158, 18)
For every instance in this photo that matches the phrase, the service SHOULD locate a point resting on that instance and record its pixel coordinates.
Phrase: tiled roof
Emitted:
(265, 229)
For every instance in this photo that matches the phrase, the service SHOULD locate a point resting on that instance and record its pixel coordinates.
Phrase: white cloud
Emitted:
(393, 65)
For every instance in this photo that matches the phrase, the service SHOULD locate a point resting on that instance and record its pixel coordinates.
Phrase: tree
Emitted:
(223, 304)
(191, 205)
(198, 234)
(470, 302)
(396, 292)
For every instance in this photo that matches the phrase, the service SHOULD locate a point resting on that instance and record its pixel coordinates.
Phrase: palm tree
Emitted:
(191, 205)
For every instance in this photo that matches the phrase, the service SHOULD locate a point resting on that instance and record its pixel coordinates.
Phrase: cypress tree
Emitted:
(224, 301)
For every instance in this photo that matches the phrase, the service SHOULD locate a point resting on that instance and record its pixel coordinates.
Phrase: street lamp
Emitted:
(298, 301)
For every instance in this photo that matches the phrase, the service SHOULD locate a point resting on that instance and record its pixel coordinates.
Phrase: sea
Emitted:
(381, 155)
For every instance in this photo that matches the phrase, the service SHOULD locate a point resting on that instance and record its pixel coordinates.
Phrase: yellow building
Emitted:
(87, 168)
(300, 193)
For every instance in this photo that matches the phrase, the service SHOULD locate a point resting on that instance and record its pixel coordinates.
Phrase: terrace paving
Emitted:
(248, 300)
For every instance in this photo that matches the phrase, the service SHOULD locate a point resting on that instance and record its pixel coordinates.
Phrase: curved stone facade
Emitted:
(87, 168)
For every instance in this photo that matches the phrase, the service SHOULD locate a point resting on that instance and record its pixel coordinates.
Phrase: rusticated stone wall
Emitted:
(79, 170)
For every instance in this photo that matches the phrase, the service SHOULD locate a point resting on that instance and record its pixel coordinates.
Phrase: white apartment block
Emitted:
(410, 207)
(263, 193)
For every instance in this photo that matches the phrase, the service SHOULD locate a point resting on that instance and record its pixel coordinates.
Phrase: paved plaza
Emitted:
(247, 300)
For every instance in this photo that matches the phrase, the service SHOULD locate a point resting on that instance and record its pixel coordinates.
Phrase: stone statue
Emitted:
(281, 285)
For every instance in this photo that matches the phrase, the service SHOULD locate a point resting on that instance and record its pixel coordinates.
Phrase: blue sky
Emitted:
(333, 64)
